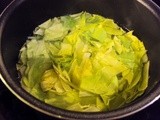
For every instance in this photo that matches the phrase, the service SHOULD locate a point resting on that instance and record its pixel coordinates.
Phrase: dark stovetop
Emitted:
(13, 109)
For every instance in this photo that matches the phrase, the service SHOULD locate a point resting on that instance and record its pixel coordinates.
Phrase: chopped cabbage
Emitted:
(83, 62)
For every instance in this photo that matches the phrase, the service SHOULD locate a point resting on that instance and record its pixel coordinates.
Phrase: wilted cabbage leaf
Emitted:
(83, 62)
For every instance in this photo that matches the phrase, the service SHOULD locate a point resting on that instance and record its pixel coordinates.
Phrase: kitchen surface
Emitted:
(12, 108)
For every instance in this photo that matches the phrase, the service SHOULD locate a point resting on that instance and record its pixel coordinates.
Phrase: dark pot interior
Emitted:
(22, 16)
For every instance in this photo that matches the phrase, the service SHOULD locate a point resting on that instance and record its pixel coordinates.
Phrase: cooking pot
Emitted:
(20, 18)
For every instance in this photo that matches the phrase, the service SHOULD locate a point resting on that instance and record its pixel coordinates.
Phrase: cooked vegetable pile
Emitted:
(83, 62)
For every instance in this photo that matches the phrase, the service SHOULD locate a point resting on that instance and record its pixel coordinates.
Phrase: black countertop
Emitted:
(13, 109)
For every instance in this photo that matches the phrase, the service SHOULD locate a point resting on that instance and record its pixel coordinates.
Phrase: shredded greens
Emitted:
(83, 62)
